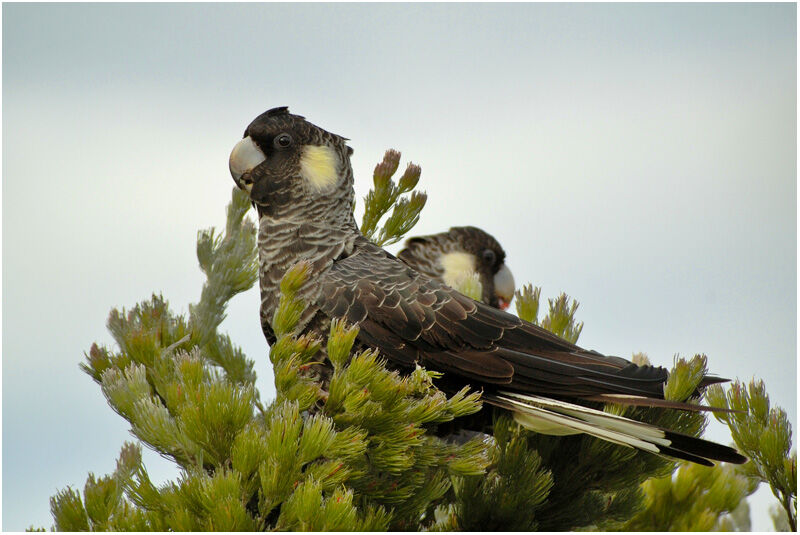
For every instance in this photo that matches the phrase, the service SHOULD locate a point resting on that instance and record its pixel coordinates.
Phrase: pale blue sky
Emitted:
(641, 158)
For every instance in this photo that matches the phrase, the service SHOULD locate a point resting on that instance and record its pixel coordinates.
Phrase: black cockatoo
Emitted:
(300, 180)
(460, 253)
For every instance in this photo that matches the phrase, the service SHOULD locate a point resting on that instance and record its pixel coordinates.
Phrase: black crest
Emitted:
(274, 112)
(279, 112)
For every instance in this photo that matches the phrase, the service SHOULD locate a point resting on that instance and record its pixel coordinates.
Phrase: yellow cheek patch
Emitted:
(319, 166)
(457, 267)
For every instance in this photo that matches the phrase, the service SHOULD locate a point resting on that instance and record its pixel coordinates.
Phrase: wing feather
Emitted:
(452, 333)
(414, 319)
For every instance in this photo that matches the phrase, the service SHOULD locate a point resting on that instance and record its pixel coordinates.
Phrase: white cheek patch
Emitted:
(319, 166)
(458, 267)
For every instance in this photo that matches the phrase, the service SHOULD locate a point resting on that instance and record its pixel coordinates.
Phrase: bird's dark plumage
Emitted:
(459, 253)
(300, 180)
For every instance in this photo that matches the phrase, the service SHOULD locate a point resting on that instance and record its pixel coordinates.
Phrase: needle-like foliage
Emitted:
(357, 451)
(763, 434)
(385, 195)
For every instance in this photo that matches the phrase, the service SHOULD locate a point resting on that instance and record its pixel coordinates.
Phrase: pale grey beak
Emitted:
(504, 286)
(244, 157)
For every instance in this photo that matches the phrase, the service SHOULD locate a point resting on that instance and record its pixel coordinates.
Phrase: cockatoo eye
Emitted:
(282, 141)
(488, 257)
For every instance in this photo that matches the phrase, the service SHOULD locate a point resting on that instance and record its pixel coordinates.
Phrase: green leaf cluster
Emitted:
(597, 483)
(592, 484)
(470, 286)
(104, 506)
(385, 195)
(399, 470)
(511, 494)
(560, 317)
(230, 264)
(764, 435)
(352, 456)
(694, 498)
(350, 446)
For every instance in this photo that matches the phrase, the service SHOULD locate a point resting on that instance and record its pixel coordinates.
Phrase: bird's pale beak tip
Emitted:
(244, 157)
(504, 287)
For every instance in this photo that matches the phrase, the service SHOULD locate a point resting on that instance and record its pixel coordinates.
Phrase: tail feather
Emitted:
(711, 380)
(642, 401)
(551, 416)
(705, 448)
(680, 454)
(530, 416)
